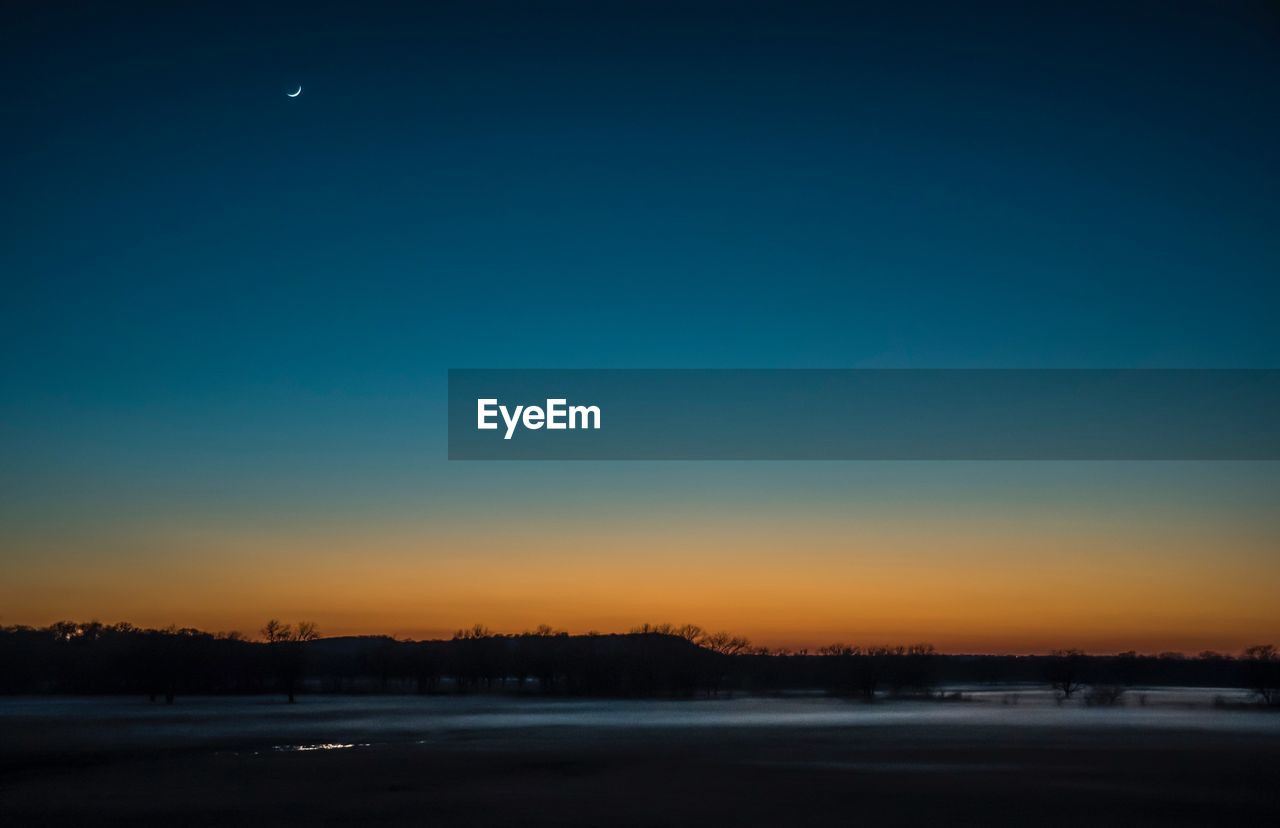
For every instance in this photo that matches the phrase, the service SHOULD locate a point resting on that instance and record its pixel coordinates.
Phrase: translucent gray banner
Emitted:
(907, 414)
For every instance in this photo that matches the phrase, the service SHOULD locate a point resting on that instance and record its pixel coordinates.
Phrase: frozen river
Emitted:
(1167, 756)
(79, 724)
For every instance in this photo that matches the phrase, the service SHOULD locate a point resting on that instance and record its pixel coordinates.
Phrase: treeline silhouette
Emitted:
(650, 661)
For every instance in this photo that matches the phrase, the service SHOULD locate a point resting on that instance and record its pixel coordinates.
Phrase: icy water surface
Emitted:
(335, 722)
(1168, 757)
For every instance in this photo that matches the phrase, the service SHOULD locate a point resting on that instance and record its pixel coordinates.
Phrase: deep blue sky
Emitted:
(214, 291)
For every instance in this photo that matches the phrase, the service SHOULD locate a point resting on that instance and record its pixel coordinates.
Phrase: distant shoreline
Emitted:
(652, 662)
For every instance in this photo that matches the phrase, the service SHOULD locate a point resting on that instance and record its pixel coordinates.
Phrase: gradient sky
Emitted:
(227, 314)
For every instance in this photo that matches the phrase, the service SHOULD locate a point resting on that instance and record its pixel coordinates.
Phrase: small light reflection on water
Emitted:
(323, 746)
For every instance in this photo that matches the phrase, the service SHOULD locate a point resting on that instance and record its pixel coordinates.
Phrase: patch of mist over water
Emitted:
(324, 723)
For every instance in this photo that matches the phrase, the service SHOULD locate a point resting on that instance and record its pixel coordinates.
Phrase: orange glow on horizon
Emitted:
(961, 588)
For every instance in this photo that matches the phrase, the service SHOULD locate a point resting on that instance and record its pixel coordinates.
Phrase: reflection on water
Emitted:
(895, 767)
(326, 746)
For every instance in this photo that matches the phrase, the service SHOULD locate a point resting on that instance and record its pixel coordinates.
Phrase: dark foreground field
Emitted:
(494, 761)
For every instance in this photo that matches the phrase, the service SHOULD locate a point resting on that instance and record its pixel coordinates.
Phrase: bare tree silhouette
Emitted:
(1065, 672)
(724, 643)
(689, 632)
(287, 656)
(473, 633)
(1262, 672)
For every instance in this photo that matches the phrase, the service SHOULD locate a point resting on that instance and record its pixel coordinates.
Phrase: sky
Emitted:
(227, 314)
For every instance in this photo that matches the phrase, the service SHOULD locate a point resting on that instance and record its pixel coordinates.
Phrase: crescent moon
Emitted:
(295, 94)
